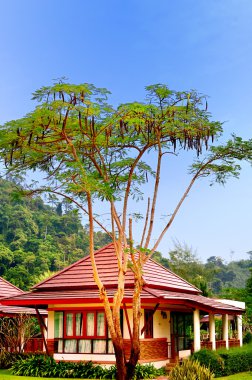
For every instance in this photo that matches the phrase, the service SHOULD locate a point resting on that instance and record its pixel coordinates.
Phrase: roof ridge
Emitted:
(151, 291)
(71, 266)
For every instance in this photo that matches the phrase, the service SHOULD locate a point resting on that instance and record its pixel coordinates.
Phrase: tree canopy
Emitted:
(84, 145)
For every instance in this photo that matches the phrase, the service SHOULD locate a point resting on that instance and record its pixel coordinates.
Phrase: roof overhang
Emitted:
(43, 299)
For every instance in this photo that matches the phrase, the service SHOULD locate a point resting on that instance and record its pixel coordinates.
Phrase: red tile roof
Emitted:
(157, 276)
(7, 289)
(80, 274)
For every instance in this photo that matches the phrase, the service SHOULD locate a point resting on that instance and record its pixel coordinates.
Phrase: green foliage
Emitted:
(228, 275)
(147, 371)
(210, 359)
(36, 239)
(247, 338)
(249, 290)
(84, 146)
(226, 362)
(7, 359)
(227, 280)
(190, 370)
(237, 359)
(184, 262)
(46, 366)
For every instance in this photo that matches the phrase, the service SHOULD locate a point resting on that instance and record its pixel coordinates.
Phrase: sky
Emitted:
(126, 45)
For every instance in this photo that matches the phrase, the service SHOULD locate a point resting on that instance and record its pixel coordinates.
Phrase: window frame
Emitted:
(61, 341)
(84, 332)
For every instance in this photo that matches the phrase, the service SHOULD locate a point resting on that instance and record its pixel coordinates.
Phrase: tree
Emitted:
(91, 151)
(248, 289)
(15, 332)
(184, 262)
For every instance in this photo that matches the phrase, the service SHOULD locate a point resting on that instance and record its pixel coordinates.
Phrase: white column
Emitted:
(196, 329)
(239, 328)
(212, 331)
(225, 328)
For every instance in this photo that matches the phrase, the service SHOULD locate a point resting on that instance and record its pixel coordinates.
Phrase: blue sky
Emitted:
(126, 45)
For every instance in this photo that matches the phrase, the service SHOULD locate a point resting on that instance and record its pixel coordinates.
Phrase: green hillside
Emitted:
(37, 239)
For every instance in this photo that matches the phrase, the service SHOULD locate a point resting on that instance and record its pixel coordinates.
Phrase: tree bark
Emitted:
(126, 369)
(121, 370)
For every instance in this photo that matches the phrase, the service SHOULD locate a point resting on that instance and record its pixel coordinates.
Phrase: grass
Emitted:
(237, 376)
(5, 374)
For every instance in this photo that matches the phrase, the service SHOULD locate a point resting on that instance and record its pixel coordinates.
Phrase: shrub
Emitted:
(210, 359)
(35, 365)
(190, 370)
(247, 338)
(237, 359)
(226, 362)
(7, 359)
(147, 371)
(46, 366)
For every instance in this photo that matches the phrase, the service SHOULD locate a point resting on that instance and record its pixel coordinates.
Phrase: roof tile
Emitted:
(7, 289)
(80, 274)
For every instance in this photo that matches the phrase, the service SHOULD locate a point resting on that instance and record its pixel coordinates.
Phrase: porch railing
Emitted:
(34, 345)
(220, 344)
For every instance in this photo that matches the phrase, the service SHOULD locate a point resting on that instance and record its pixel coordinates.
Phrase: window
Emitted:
(148, 322)
(181, 330)
(81, 332)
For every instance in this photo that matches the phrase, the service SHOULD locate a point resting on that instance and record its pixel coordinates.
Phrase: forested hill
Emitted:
(37, 239)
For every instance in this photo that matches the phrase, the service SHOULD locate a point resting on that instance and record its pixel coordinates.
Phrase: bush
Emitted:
(210, 359)
(237, 359)
(46, 366)
(226, 362)
(7, 359)
(147, 371)
(190, 370)
(247, 338)
(35, 365)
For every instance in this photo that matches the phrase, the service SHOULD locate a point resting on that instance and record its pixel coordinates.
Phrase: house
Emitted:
(9, 290)
(170, 320)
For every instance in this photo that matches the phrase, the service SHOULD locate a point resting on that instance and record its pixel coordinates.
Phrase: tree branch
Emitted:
(154, 201)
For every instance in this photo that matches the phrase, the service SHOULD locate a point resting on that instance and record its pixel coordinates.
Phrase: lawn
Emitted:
(5, 374)
(237, 376)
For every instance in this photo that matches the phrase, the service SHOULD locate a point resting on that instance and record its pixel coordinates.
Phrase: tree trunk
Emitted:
(134, 356)
(121, 369)
(125, 370)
